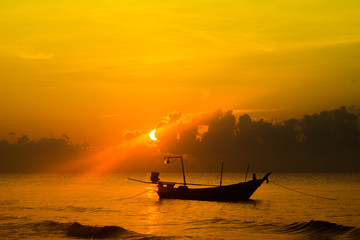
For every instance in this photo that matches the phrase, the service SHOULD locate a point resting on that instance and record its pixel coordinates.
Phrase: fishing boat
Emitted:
(229, 193)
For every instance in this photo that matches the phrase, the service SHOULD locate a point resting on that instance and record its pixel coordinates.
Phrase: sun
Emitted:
(152, 135)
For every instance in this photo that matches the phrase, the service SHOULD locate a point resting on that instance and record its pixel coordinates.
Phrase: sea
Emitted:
(312, 206)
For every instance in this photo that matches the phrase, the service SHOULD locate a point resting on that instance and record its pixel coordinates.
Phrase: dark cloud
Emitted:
(12, 134)
(329, 141)
(129, 135)
(65, 137)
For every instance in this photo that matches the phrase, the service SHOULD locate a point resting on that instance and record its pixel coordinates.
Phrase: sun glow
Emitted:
(152, 135)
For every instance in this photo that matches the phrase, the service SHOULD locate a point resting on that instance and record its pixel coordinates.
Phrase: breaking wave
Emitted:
(78, 230)
(320, 228)
(308, 230)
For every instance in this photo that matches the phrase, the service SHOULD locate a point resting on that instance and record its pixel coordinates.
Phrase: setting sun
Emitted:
(152, 135)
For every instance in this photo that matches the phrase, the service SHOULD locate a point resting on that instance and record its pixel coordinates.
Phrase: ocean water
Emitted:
(109, 206)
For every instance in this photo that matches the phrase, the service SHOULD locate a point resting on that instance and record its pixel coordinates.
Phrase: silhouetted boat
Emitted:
(230, 193)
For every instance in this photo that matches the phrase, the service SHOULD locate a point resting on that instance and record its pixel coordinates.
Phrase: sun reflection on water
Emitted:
(152, 218)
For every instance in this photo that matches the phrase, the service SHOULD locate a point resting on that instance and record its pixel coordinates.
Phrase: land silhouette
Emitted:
(328, 141)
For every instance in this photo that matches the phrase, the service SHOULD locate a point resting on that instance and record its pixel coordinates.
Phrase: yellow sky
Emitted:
(91, 69)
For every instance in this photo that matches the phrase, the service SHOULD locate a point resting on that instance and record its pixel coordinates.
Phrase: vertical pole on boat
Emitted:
(222, 167)
(247, 170)
(182, 165)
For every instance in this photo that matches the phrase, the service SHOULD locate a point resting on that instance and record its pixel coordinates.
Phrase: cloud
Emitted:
(27, 52)
(12, 134)
(130, 135)
(261, 110)
(329, 141)
(171, 118)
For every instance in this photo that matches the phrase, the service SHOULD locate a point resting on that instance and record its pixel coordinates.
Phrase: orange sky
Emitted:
(92, 70)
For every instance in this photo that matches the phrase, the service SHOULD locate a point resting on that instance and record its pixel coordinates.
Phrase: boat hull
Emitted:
(228, 193)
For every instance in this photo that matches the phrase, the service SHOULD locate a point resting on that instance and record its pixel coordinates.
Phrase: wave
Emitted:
(51, 229)
(78, 230)
(314, 227)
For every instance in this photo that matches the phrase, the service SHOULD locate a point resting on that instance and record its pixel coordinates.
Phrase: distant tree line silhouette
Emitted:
(324, 142)
(26, 156)
(329, 141)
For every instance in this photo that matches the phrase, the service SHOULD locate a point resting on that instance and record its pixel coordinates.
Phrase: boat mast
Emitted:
(247, 170)
(167, 160)
(222, 167)
(182, 165)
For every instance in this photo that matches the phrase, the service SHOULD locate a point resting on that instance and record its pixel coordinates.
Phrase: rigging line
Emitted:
(302, 192)
(135, 195)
